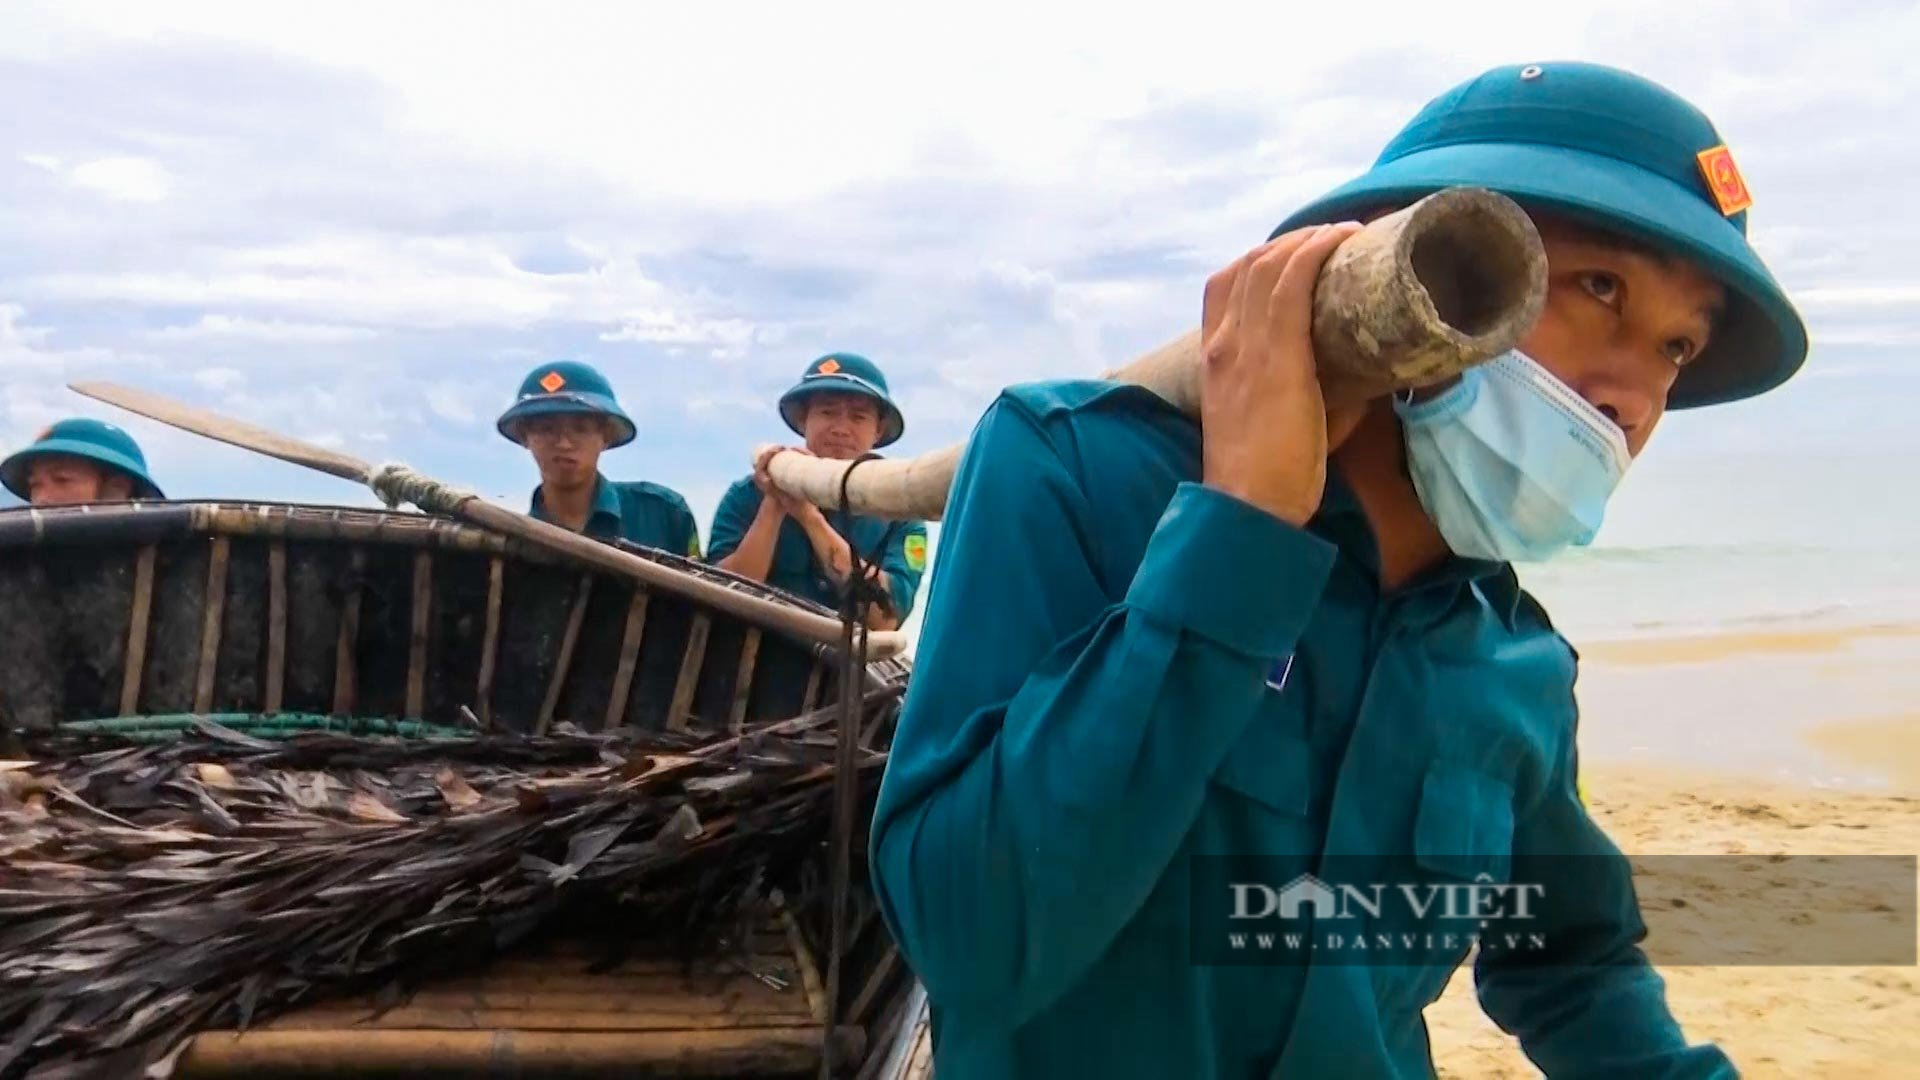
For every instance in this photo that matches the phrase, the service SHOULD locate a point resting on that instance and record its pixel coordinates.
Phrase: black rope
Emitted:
(860, 592)
(862, 587)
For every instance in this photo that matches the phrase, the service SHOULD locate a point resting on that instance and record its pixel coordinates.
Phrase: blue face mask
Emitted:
(1510, 463)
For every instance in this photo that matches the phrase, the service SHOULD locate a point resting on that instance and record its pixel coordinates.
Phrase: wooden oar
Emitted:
(805, 626)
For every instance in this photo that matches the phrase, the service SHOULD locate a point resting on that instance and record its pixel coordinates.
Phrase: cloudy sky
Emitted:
(362, 223)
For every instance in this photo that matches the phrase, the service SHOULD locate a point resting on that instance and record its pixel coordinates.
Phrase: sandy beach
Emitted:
(1832, 769)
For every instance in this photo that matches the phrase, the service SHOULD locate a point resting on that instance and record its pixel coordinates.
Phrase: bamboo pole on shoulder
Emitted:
(1414, 298)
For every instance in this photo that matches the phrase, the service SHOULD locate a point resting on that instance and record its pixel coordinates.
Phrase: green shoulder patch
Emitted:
(916, 548)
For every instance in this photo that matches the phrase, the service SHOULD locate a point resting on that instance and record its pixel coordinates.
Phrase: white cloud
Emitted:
(1883, 314)
(26, 349)
(737, 401)
(1871, 335)
(1898, 295)
(362, 278)
(17, 341)
(1843, 371)
(42, 161)
(451, 403)
(33, 375)
(220, 379)
(723, 338)
(126, 179)
(265, 331)
(817, 96)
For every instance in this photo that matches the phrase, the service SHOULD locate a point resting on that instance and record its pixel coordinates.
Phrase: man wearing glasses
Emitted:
(566, 416)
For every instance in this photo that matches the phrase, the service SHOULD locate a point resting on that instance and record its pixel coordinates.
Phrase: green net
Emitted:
(165, 728)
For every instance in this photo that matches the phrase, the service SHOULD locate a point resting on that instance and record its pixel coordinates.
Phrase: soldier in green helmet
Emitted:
(1182, 683)
(79, 460)
(842, 409)
(566, 415)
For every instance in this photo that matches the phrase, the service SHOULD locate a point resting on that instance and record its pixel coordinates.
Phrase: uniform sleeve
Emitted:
(905, 562)
(1589, 1004)
(679, 532)
(731, 519)
(1055, 745)
(689, 530)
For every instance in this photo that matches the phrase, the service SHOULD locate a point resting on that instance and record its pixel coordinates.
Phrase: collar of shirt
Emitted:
(1342, 522)
(605, 517)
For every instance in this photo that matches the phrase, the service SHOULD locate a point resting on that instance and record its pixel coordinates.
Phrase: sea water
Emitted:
(1604, 593)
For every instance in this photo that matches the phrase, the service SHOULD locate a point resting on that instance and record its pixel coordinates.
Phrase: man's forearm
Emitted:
(881, 616)
(836, 555)
(754, 557)
(828, 546)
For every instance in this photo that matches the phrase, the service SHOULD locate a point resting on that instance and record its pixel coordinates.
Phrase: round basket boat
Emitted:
(251, 608)
(121, 619)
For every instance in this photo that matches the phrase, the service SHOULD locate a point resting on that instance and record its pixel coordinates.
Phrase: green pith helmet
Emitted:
(1614, 151)
(845, 373)
(566, 386)
(83, 437)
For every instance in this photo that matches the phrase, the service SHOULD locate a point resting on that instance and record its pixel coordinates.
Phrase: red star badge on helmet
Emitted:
(1724, 180)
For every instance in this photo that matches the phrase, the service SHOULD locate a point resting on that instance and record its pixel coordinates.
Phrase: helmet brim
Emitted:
(563, 404)
(1760, 341)
(13, 471)
(793, 404)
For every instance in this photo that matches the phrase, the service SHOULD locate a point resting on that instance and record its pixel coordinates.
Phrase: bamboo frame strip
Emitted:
(346, 678)
(417, 641)
(137, 630)
(743, 679)
(779, 1051)
(555, 1016)
(809, 971)
(490, 642)
(276, 688)
(564, 662)
(811, 699)
(680, 713)
(869, 993)
(630, 640)
(213, 611)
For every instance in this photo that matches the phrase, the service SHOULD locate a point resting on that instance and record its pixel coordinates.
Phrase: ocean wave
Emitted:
(1824, 614)
(1669, 553)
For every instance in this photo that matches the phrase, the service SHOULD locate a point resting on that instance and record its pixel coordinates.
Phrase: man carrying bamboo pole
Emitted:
(79, 460)
(566, 415)
(1227, 741)
(842, 409)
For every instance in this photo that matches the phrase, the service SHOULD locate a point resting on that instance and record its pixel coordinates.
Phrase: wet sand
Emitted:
(1704, 648)
(1890, 746)
(1755, 748)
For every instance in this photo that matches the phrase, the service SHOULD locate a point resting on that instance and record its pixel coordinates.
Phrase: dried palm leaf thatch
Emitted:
(152, 890)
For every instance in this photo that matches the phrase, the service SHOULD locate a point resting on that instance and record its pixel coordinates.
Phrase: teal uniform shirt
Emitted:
(794, 567)
(1131, 690)
(637, 511)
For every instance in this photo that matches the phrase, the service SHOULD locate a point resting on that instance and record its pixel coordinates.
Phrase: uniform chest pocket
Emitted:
(1465, 824)
(1269, 766)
